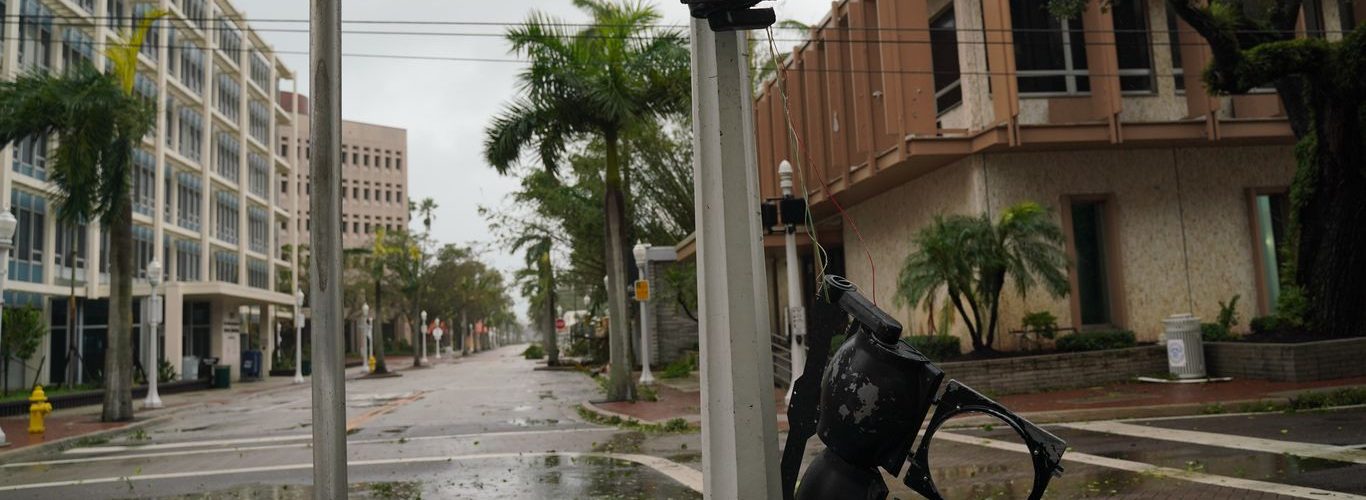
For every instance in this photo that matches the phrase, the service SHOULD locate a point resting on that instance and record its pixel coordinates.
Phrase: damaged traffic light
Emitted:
(732, 15)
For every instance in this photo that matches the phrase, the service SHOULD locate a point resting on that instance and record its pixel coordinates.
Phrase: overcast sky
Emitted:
(444, 105)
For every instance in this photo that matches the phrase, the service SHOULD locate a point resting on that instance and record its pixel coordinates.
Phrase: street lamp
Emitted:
(642, 264)
(7, 225)
(154, 312)
(436, 333)
(298, 336)
(425, 328)
(365, 330)
(796, 315)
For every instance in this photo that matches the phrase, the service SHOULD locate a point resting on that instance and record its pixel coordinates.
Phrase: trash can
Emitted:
(1185, 352)
(307, 368)
(251, 364)
(222, 377)
(206, 366)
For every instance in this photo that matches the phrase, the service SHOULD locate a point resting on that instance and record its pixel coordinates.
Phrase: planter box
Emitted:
(1057, 371)
(1303, 362)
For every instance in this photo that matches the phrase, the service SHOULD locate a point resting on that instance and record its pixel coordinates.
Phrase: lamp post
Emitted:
(153, 399)
(7, 226)
(436, 334)
(642, 264)
(298, 336)
(425, 328)
(365, 330)
(796, 315)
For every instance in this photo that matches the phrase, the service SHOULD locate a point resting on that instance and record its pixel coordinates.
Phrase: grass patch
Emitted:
(672, 426)
(50, 392)
(90, 441)
(396, 490)
(681, 367)
(1326, 399)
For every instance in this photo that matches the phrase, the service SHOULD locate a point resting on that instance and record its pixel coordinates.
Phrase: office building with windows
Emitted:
(204, 198)
(1171, 199)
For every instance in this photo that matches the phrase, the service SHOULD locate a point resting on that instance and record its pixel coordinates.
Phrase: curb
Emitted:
(21, 454)
(604, 413)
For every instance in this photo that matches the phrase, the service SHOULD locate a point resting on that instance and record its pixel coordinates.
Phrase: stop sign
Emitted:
(559, 324)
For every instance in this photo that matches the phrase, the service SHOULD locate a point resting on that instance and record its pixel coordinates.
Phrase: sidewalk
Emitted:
(681, 398)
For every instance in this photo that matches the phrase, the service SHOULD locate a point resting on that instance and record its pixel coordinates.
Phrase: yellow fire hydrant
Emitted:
(38, 408)
(372, 364)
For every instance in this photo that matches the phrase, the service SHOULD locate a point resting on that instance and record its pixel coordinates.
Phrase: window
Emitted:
(355, 158)
(257, 227)
(170, 121)
(1174, 45)
(225, 216)
(398, 163)
(258, 181)
(1347, 15)
(193, 10)
(77, 49)
(1271, 217)
(30, 157)
(143, 250)
(228, 95)
(153, 39)
(388, 196)
(26, 261)
(227, 156)
(115, 11)
(948, 91)
(192, 66)
(258, 274)
(229, 39)
(260, 70)
(225, 266)
(1050, 54)
(191, 133)
(259, 117)
(1132, 46)
(70, 245)
(1094, 299)
(144, 183)
(366, 193)
(35, 35)
(189, 192)
(1313, 18)
(388, 162)
(188, 256)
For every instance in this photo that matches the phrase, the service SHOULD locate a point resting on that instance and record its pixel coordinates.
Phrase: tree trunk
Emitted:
(378, 336)
(619, 384)
(118, 355)
(552, 346)
(1331, 259)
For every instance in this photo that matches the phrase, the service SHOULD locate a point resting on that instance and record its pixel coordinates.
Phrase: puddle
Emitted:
(524, 408)
(625, 442)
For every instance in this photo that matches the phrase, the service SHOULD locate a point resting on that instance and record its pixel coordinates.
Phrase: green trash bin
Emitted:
(308, 367)
(222, 377)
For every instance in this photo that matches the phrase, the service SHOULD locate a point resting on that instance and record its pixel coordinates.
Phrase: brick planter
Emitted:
(1304, 362)
(1057, 371)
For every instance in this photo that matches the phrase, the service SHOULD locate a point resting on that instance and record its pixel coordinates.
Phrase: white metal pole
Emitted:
(643, 266)
(299, 338)
(329, 377)
(739, 427)
(796, 315)
(153, 399)
(5, 245)
(423, 333)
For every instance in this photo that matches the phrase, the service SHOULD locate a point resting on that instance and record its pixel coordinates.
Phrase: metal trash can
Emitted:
(1185, 351)
(206, 366)
(222, 377)
(251, 364)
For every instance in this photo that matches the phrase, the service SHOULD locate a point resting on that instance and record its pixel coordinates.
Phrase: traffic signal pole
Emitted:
(739, 427)
(329, 389)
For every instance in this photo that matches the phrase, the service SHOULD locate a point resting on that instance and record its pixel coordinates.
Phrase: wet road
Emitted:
(489, 426)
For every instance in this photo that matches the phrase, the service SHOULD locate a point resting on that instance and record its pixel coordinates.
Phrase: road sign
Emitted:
(559, 324)
(642, 290)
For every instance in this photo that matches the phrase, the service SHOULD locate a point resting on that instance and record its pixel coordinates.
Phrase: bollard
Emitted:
(37, 410)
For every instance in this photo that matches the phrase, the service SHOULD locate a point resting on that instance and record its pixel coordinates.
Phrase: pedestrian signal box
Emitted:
(642, 290)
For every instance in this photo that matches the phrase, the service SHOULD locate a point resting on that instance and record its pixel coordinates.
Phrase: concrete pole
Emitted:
(642, 254)
(796, 315)
(6, 243)
(153, 399)
(298, 336)
(423, 333)
(739, 426)
(329, 389)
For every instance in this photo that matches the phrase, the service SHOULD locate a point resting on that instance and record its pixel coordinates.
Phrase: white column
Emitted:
(739, 427)
(796, 315)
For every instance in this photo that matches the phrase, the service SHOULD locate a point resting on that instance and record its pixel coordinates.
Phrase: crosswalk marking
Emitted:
(1308, 450)
(1140, 467)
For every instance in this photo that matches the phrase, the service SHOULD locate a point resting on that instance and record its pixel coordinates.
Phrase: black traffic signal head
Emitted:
(731, 15)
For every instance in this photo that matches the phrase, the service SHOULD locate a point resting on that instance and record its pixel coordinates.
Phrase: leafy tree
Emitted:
(594, 83)
(24, 331)
(1322, 87)
(98, 122)
(970, 258)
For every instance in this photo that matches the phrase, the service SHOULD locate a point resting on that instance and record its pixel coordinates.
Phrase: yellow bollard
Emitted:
(372, 364)
(38, 408)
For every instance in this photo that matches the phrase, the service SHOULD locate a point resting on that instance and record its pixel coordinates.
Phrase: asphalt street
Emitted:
(489, 426)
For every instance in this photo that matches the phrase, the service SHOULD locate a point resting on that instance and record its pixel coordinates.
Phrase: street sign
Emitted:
(642, 290)
(559, 324)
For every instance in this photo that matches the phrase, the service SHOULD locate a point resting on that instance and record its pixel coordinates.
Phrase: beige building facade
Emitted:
(374, 175)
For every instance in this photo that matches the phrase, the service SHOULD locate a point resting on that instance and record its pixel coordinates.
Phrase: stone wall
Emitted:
(673, 332)
(1057, 371)
(1329, 359)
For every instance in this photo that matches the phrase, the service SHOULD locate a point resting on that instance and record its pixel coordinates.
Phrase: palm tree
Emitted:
(98, 122)
(538, 285)
(970, 258)
(594, 84)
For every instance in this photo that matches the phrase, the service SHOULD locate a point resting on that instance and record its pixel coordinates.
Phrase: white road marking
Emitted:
(1226, 415)
(1309, 450)
(240, 449)
(686, 476)
(1144, 468)
(93, 450)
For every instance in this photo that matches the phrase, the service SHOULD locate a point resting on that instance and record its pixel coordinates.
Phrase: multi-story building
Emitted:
(374, 174)
(1171, 199)
(204, 202)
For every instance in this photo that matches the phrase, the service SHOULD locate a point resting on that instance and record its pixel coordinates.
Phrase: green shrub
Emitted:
(1043, 323)
(1096, 341)
(533, 351)
(1327, 399)
(681, 367)
(1267, 324)
(1228, 314)
(1215, 332)
(935, 347)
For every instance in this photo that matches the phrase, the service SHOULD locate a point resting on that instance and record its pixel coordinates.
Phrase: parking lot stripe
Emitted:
(686, 476)
(1145, 468)
(1308, 450)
